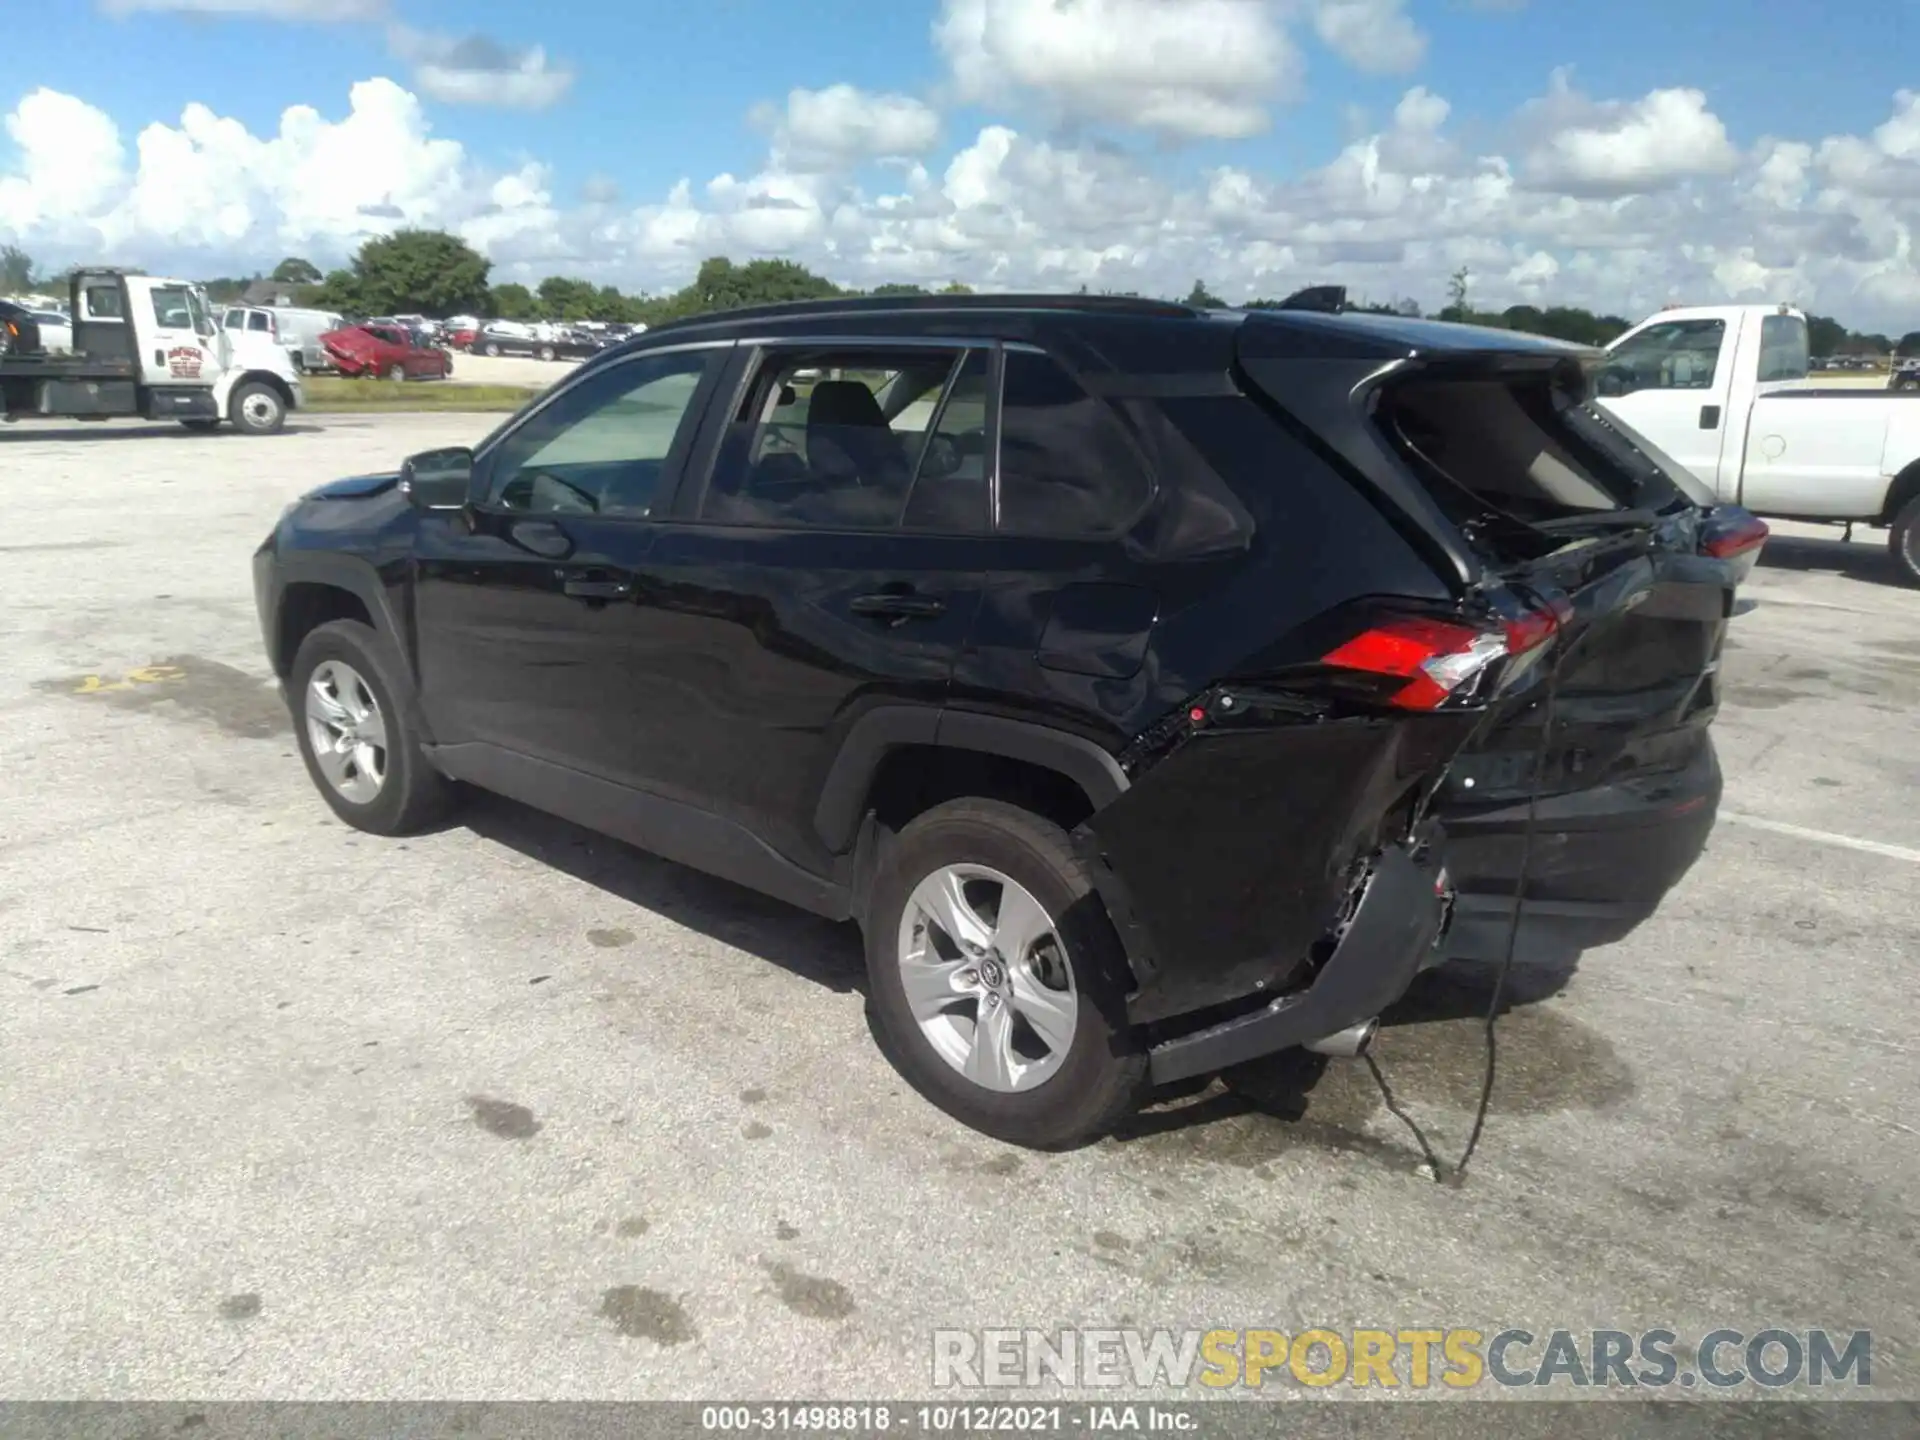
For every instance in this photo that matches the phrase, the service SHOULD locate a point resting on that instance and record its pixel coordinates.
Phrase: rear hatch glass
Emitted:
(1553, 493)
(1520, 463)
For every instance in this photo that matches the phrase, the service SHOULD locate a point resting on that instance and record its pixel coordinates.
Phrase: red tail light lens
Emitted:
(1734, 535)
(1435, 658)
(1440, 658)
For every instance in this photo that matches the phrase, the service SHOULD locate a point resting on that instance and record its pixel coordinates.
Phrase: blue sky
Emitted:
(661, 93)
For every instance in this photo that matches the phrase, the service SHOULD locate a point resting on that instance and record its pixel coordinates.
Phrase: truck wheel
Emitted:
(358, 735)
(1903, 541)
(201, 426)
(257, 409)
(396, 373)
(997, 982)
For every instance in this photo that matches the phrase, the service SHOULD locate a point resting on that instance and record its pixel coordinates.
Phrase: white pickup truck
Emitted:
(1723, 389)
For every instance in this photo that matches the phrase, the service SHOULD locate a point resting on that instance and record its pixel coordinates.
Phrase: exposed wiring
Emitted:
(1441, 1174)
(1540, 753)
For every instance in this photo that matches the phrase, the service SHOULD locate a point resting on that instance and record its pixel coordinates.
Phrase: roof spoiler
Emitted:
(1327, 299)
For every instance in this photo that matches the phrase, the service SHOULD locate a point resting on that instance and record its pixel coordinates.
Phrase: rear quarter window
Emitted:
(1066, 466)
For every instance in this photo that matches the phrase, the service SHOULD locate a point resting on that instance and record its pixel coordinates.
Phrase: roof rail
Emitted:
(934, 304)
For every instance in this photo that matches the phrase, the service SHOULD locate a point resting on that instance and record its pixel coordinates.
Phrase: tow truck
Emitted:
(147, 346)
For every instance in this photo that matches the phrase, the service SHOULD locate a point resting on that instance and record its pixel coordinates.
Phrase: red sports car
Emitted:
(389, 351)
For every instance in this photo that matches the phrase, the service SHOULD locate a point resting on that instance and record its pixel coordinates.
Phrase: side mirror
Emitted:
(437, 479)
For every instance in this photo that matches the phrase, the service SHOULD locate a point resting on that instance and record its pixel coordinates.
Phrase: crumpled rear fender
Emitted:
(1228, 862)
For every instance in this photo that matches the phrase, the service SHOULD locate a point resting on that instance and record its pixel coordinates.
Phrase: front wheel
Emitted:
(396, 373)
(257, 409)
(546, 352)
(359, 738)
(493, 349)
(1903, 541)
(997, 981)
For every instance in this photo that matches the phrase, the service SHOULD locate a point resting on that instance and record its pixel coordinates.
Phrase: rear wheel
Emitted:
(492, 349)
(546, 352)
(257, 409)
(396, 373)
(1903, 541)
(358, 735)
(998, 984)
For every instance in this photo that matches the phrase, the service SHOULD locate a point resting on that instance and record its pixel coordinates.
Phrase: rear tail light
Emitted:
(1440, 659)
(1727, 535)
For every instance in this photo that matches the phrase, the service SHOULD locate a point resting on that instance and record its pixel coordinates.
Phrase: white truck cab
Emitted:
(1723, 389)
(147, 346)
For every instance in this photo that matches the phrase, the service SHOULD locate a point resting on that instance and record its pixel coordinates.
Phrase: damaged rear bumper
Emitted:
(1394, 934)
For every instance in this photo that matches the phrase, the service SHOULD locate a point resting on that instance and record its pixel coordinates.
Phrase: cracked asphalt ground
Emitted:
(511, 1110)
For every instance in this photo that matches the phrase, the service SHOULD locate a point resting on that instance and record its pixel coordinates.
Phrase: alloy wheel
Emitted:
(987, 978)
(346, 730)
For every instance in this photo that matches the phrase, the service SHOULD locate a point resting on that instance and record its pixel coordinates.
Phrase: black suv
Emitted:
(1150, 684)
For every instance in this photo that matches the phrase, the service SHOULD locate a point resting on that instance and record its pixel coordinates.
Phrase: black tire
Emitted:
(1903, 541)
(492, 349)
(202, 426)
(1102, 1076)
(546, 352)
(256, 408)
(412, 794)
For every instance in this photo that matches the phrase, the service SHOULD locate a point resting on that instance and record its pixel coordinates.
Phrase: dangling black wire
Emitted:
(1441, 1174)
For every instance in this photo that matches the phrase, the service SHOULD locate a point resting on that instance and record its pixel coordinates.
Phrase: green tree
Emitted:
(1458, 307)
(1909, 345)
(1202, 298)
(419, 271)
(955, 287)
(885, 290)
(512, 301)
(16, 270)
(1825, 335)
(565, 299)
(341, 291)
(295, 271)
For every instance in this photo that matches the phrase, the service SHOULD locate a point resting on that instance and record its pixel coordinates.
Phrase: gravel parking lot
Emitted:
(511, 1110)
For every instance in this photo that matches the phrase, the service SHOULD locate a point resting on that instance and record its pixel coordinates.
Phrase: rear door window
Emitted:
(831, 439)
(1066, 466)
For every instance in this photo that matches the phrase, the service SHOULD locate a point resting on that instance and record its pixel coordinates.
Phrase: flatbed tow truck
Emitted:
(147, 347)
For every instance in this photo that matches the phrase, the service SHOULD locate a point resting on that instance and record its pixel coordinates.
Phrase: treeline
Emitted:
(430, 272)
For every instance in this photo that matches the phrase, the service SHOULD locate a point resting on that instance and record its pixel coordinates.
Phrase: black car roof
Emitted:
(1298, 331)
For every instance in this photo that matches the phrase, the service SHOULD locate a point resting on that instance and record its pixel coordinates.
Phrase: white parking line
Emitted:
(1825, 837)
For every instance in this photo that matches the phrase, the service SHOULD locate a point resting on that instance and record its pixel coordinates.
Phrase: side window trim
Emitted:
(672, 468)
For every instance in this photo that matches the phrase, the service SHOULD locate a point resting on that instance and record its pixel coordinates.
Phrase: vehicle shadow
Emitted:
(819, 950)
(1431, 1050)
(1809, 554)
(1431, 1039)
(97, 431)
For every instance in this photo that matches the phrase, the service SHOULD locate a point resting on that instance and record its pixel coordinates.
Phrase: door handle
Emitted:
(898, 608)
(597, 588)
(1709, 417)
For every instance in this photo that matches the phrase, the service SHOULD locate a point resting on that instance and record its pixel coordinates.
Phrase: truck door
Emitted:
(179, 343)
(1671, 380)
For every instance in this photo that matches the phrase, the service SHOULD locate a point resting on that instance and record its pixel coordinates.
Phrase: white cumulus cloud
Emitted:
(842, 125)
